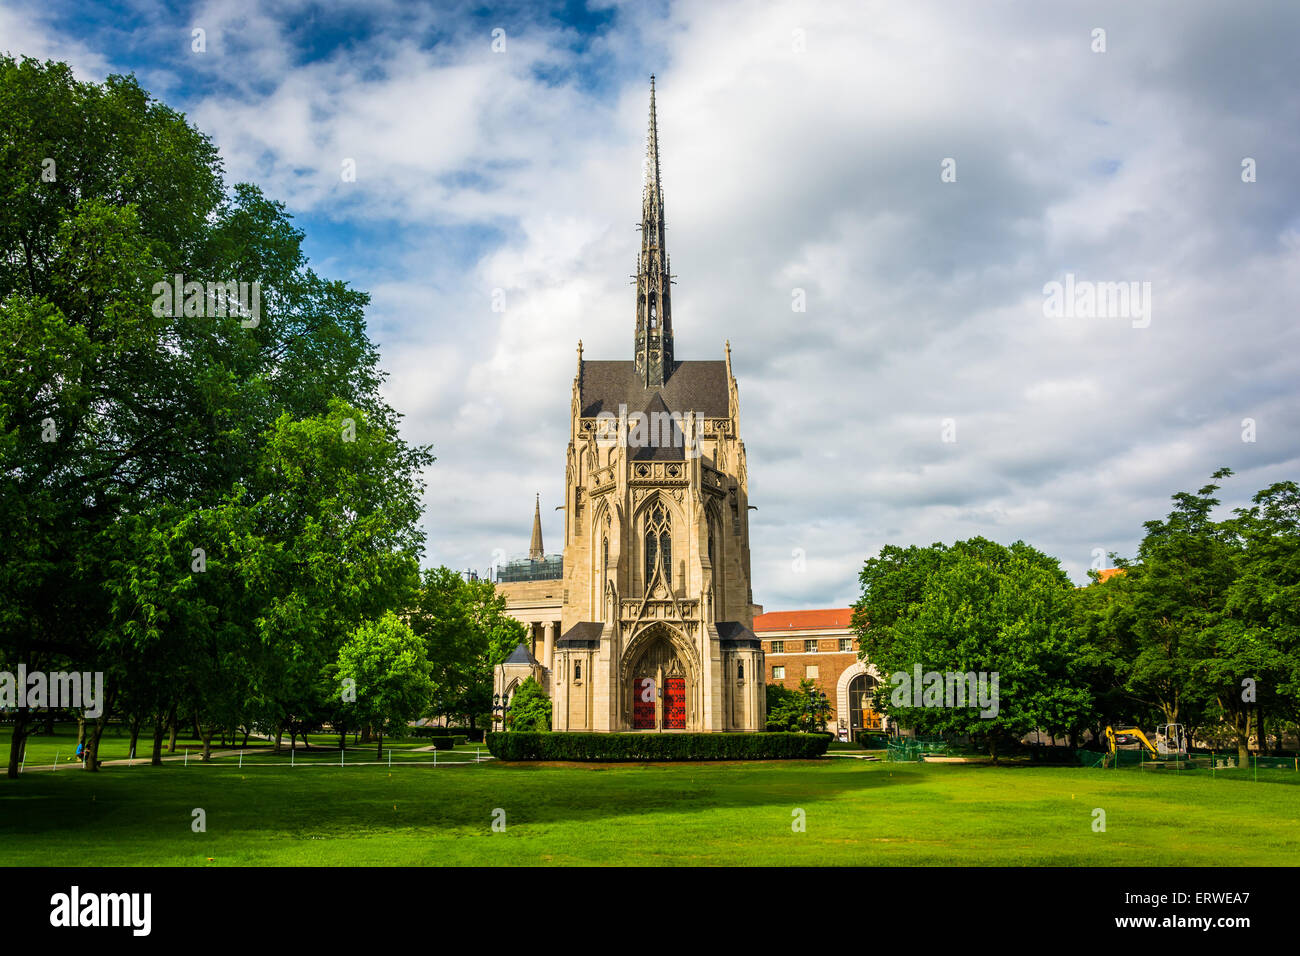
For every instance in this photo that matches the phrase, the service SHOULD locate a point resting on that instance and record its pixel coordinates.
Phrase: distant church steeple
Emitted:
(654, 315)
(535, 552)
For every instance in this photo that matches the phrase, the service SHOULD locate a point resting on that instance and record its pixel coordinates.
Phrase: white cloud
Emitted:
(817, 170)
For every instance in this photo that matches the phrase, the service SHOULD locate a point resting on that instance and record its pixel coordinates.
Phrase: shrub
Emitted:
(429, 731)
(518, 745)
(476, 734)
(872, 739)
(443, 743)
(530, 708)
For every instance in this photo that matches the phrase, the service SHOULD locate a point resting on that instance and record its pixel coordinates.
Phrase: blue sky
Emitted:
(802, 146)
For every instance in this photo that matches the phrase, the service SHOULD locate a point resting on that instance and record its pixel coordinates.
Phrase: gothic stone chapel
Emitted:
(656, 615)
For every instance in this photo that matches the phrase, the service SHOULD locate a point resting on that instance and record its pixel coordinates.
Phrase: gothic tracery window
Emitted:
(658, 544)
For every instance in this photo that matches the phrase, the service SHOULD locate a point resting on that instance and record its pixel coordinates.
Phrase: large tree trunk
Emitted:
(96, 733)
(279, 738)
(171, 719)
(246, 733)
(81, 729)
(207, 745)
(17, 742)
(381, 745)
(343, 738)
(993, 746)
(156, 757)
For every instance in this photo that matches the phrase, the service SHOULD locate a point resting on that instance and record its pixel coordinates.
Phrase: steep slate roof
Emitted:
(692, 387)
(830, 618)
(585, 634)
(735, 634)
(659, 447)
(521, 655)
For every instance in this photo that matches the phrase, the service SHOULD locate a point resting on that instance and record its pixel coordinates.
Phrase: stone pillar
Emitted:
(548, 643)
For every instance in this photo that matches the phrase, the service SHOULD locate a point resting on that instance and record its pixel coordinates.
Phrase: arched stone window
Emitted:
(658, 544)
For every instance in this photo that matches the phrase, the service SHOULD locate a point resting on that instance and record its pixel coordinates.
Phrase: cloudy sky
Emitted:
(924, 394)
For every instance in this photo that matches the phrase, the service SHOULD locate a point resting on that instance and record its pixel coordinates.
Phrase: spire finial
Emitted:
(654, 324)
(535, 551)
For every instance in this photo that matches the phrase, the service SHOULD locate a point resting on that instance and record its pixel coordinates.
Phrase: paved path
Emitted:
(129, 762)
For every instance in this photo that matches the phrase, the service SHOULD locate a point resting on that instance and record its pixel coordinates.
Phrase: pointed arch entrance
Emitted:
(661, 683)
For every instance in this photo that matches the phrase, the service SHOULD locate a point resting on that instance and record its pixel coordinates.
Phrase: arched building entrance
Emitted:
(661, 684)
(862, 716)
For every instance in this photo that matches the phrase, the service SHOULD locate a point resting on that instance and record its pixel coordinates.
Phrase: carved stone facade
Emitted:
(656, 609)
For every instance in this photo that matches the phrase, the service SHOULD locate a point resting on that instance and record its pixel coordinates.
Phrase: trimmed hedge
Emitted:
(475, 735)
(873, 739)
(442, 743)
(519, 745)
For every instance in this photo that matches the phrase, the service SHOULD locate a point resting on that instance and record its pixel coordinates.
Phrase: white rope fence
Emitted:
(457, 758)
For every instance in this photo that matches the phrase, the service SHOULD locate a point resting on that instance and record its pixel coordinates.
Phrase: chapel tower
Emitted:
(657, 608)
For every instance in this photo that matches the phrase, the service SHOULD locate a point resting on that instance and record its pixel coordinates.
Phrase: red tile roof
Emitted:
(836, 617)
(1105, 573)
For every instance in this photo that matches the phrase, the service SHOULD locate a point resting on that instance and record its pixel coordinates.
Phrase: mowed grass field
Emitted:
(45, 750)
(855, 813)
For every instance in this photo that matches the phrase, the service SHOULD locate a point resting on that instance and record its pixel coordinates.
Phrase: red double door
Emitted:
(643, 711)
(675, 703)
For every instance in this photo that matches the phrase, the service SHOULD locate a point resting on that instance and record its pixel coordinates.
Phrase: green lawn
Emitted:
(857, 812)
(42, 749)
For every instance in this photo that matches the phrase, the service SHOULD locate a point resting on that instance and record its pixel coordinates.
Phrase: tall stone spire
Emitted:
(654, 315)
(535, 552)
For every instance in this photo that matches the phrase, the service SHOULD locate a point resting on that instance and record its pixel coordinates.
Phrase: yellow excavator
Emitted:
(1170, 740)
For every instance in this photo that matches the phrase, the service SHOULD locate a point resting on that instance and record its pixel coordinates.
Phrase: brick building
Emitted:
(820, 645)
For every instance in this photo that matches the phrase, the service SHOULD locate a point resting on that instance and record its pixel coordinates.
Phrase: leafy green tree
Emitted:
(131, 434)
(978, 607)
(805, 709)
(783, 707)
(530, 708)
(389, 670)
(469, 633)
(1103, 620)
(1264, 604)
